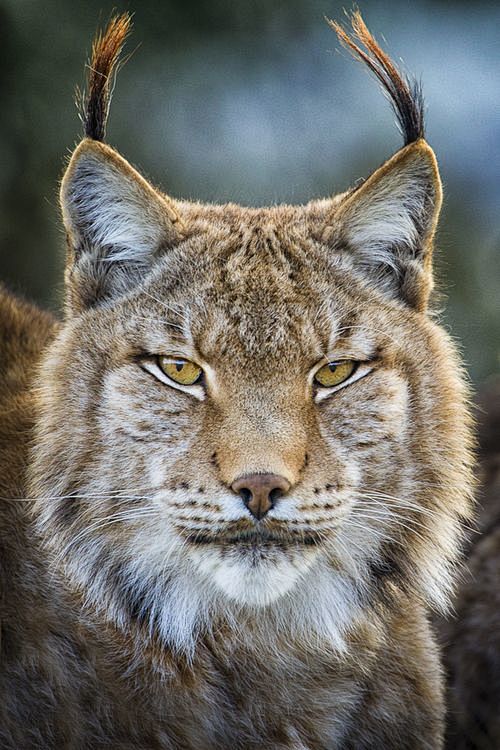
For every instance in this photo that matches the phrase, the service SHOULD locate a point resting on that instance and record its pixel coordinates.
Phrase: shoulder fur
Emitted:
(24, 331)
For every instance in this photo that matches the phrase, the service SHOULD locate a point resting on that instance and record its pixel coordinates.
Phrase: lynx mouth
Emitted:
(255, 538)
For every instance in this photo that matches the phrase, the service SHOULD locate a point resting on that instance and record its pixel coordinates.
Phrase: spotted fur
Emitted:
(166, 615)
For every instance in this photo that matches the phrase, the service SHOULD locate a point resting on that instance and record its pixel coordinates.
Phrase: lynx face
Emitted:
(260, 312)
(248, 414)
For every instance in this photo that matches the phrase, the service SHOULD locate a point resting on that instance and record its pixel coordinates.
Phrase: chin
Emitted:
(254, 577)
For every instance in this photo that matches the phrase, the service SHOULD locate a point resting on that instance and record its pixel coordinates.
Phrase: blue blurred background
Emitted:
(255, 102)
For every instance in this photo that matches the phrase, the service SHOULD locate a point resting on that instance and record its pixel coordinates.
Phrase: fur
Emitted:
(471, 635)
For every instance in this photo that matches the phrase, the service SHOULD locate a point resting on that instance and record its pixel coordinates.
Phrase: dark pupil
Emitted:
(332, 367)
(179, 366)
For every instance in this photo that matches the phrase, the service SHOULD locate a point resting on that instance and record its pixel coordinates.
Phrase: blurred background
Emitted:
(253, 101)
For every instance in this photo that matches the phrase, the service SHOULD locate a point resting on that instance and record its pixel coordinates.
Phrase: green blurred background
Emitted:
(253, 102)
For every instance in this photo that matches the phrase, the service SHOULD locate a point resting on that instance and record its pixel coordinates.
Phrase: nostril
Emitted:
(245, 494)
(275, 494)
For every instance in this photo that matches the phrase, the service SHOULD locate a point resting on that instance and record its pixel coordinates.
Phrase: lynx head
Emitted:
(249, 412)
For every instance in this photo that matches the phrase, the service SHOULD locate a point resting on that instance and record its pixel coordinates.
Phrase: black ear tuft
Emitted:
(404, 94)
(104, 63)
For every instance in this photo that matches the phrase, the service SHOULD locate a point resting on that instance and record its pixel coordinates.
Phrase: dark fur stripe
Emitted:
(405, 95)
(104, 62)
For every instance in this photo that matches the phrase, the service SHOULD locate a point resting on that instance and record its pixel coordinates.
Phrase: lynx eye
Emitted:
(181, 371)
(335, 373)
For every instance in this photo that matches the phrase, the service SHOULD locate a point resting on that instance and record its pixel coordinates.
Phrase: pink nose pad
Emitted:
(260, 492)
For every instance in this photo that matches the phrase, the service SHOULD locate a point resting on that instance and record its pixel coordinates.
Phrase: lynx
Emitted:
(237, 470)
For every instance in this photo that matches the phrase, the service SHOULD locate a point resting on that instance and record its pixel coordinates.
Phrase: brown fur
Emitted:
(24, 333)
(142, 605)
(472, 635)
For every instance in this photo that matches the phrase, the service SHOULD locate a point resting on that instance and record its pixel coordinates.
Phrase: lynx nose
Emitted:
(259, 492)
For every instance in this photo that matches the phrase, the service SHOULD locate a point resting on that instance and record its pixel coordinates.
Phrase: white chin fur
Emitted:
(253, 578)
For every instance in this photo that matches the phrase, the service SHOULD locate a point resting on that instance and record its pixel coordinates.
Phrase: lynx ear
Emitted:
(387, 225)
(116, 224)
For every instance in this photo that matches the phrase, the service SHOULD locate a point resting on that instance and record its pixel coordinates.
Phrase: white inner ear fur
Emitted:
(107, 204)
(397, 207)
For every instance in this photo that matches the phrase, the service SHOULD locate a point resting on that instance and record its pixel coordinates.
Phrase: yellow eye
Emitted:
(181, 370)
(335, 373)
